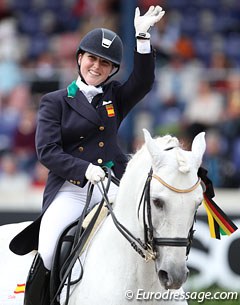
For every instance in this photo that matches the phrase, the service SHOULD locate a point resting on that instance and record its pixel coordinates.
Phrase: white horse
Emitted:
(114, 273)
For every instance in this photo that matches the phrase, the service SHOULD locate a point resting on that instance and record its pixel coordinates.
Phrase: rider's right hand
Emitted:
(94, 173)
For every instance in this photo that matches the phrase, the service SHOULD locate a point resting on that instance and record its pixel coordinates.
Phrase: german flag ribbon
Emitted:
(219, 223)
(20, 288)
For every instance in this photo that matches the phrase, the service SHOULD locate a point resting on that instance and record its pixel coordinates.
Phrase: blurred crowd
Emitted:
(197, 85)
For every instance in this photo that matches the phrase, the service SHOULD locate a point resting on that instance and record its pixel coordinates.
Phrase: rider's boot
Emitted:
(37, 285)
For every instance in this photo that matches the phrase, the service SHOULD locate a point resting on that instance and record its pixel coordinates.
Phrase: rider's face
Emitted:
(94, 69)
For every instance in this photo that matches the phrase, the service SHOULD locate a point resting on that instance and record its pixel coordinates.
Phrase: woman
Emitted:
(77, 134)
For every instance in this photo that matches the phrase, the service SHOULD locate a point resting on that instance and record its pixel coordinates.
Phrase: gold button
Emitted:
(71, 181)
(99, 161)
(80, 148)
(78, 182)
(101, 128)
(101, 144)
(74, 182)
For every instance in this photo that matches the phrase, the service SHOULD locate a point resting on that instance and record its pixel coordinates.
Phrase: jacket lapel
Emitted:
(81, 105)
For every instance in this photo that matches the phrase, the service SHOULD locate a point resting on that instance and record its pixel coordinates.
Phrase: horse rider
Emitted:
(77, 135)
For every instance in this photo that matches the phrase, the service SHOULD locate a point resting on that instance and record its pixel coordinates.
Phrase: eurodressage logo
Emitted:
(15, 296)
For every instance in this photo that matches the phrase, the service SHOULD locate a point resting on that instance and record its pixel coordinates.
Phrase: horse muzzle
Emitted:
(173, 279)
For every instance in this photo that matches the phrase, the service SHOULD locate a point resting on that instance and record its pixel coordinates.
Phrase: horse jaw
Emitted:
(199, 147)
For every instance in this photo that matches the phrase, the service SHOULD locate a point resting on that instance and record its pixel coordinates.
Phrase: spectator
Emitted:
(220, 168)
(39, 177)
(11, 179)
(24, 141)
(178, 81)
(231, 125)
(204, 111)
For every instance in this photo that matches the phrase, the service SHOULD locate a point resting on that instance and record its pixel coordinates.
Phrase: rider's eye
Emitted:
(158, 203)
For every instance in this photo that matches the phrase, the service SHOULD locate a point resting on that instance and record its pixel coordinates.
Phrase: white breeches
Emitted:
(66, 207)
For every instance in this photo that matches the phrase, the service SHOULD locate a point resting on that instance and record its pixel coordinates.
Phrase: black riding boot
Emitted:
(37, 286)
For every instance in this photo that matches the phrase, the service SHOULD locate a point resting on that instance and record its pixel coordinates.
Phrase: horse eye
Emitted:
(158, 203)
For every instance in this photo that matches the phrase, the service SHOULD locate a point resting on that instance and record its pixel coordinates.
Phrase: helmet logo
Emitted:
(106, 43)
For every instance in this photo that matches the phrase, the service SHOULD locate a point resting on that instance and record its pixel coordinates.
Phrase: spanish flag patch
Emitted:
(110, 110)
(20, 288)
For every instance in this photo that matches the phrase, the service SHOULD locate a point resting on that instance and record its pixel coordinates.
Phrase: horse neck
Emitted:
(125, 210)
(131, 187)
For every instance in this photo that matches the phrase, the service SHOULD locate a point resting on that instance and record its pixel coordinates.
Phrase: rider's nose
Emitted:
(97, 64)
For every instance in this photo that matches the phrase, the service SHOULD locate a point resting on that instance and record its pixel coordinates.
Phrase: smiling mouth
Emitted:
(93, 73)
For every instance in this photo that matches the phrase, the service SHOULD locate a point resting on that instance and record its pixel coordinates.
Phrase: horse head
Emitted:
(174, 196)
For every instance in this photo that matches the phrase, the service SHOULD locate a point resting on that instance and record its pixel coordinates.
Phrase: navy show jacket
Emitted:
(71, 133)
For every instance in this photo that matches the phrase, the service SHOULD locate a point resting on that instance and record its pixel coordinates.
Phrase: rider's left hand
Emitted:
(143, 23)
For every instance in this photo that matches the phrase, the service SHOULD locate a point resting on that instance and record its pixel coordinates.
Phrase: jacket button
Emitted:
(80, 148)
(101, 144)
(78, 182)
(99, 161)
(101, 128)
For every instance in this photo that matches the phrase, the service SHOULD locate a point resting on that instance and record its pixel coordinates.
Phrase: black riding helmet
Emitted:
(103, 43)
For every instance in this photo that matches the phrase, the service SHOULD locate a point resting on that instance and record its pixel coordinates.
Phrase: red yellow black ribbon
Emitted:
(219, 223)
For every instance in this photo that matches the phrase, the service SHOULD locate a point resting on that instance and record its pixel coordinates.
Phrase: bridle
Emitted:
(149, 238)
(147, 248)
(172, 188)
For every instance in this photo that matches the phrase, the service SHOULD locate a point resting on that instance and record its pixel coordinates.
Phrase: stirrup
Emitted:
(37, 285)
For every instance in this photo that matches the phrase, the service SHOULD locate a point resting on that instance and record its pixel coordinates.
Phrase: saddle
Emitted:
(65, 251)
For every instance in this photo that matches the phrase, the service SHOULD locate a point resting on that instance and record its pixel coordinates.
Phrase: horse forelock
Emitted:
(167, 142)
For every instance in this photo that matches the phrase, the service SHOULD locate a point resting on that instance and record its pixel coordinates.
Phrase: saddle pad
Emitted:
(103, 214)
(76, 271)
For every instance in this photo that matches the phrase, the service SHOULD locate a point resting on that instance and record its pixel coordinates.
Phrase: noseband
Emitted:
(149, 238)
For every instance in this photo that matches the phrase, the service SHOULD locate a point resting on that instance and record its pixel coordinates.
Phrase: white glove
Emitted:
(143, 23)
(94, 173)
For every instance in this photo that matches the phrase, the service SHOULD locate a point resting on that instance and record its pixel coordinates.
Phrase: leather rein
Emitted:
(147, 248)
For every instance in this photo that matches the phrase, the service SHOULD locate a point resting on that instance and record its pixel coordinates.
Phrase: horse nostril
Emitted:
(172, 280)
(164, 279)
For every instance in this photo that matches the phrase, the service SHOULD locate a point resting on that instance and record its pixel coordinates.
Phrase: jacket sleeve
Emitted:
(49, 144)
(138, 84)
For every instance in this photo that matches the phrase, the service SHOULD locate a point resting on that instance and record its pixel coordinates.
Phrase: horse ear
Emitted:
(199, 147)
(148, 139)
(151, 146)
